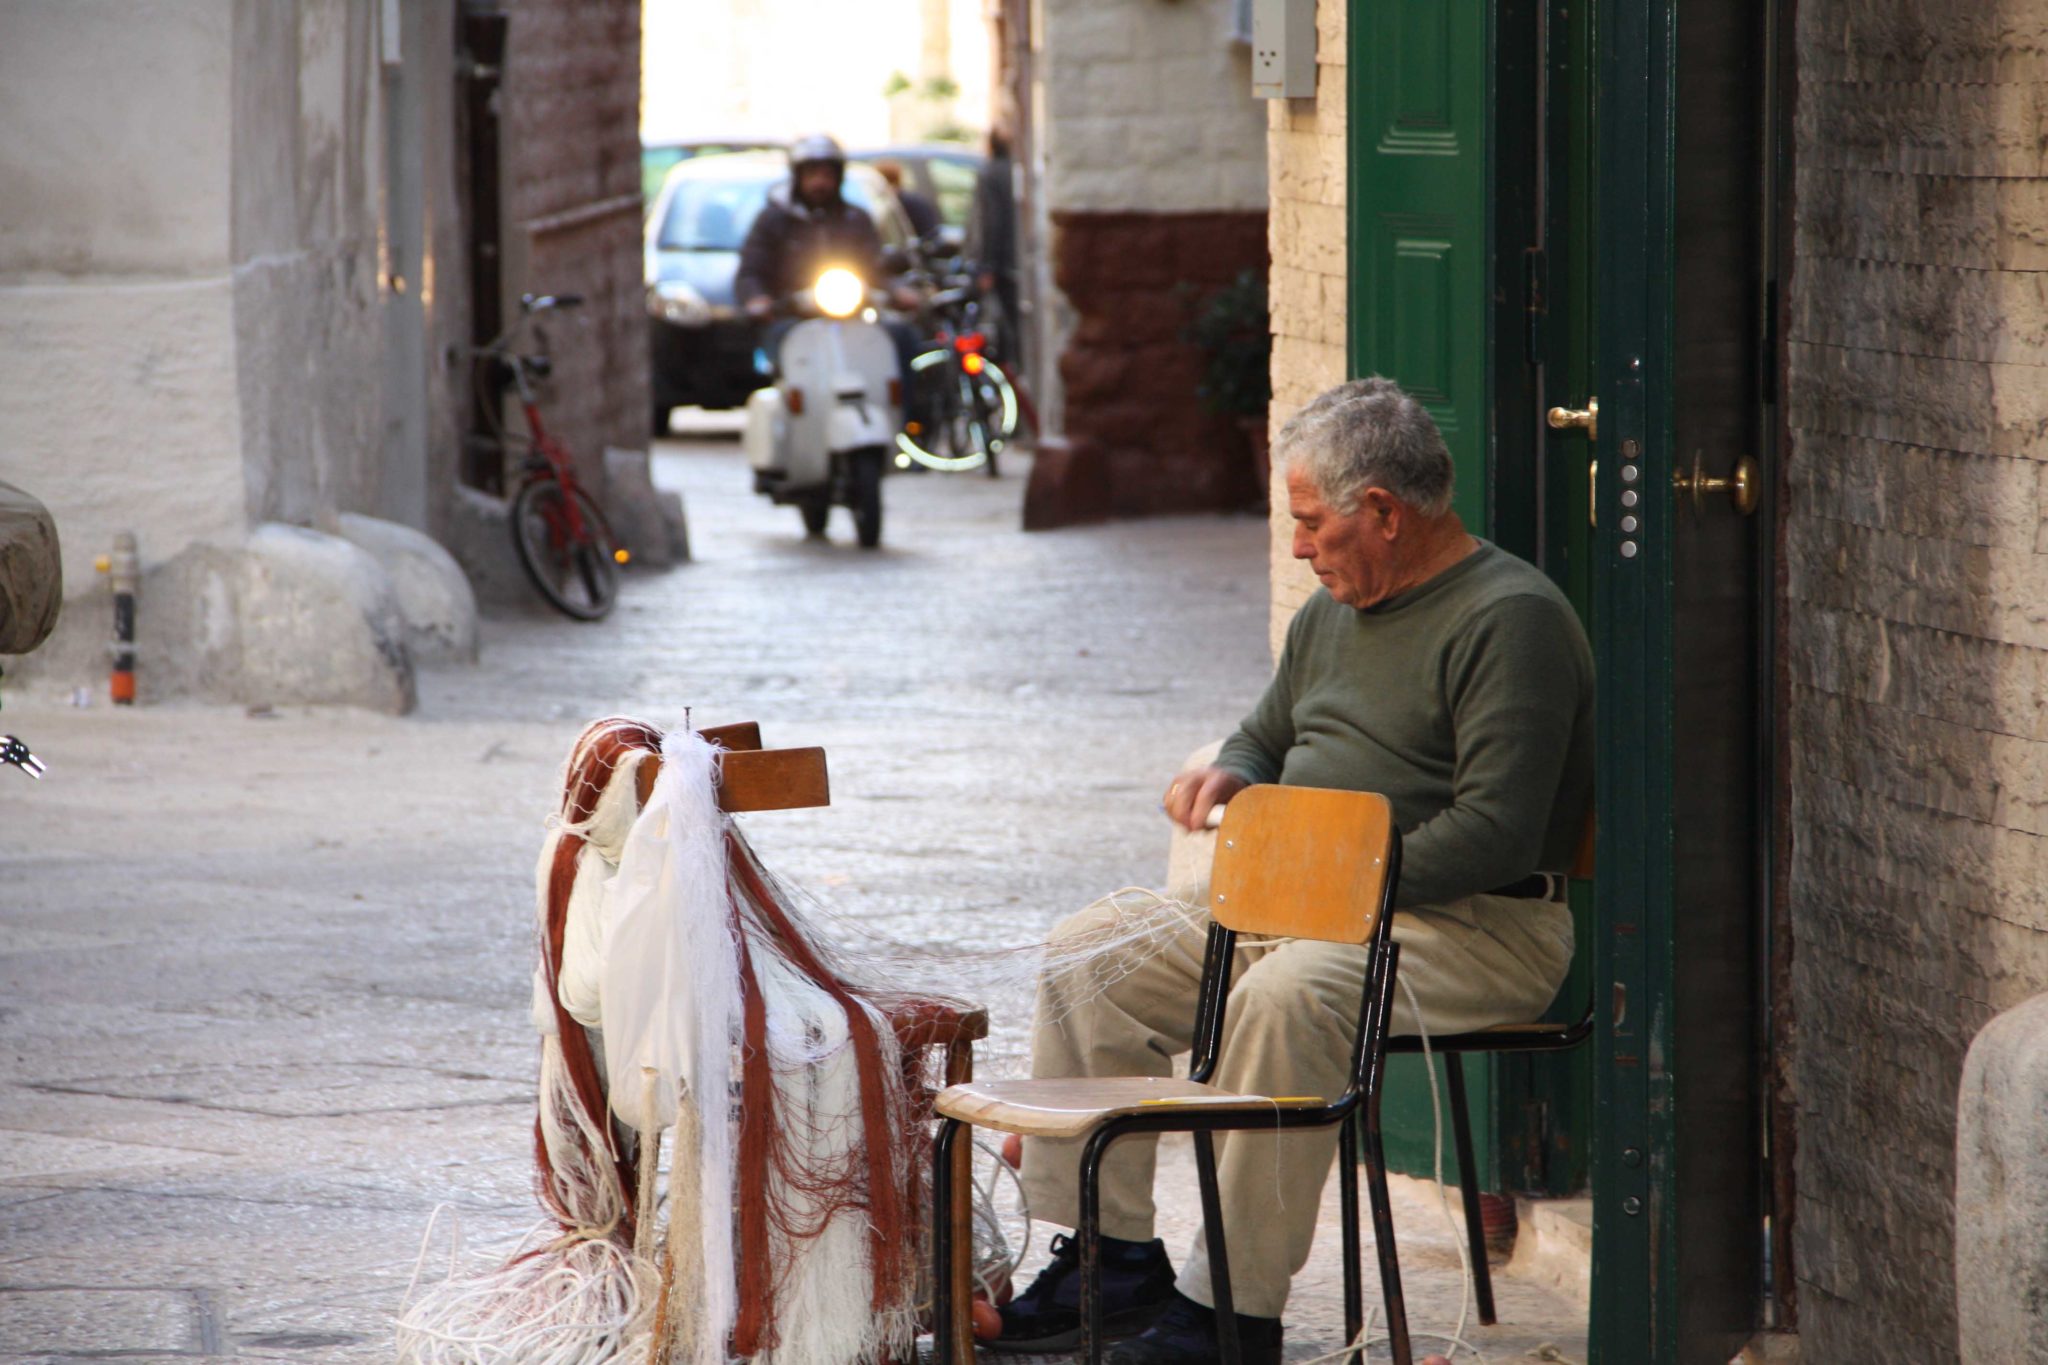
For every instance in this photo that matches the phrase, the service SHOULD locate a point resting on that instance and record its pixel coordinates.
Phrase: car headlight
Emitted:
(839, 293)
(676, 302)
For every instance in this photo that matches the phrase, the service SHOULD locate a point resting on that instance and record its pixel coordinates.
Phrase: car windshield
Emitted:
(714, 213)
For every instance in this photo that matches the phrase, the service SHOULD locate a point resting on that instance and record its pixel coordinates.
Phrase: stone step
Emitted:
(1554, 1246)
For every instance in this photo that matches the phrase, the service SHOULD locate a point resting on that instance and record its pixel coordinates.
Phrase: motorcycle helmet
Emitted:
(816, 147)
(817, 150)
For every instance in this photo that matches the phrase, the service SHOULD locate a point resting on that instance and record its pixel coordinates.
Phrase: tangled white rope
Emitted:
(557, 1300)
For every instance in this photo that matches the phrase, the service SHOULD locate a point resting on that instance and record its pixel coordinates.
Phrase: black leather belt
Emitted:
(1537, 886)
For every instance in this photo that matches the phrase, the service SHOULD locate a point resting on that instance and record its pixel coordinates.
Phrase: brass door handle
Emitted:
(1745, 485)
(1586, 419)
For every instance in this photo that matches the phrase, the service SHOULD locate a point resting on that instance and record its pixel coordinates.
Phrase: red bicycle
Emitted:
(563, 542)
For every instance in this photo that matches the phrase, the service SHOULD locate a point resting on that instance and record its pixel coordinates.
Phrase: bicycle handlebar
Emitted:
(541, 303)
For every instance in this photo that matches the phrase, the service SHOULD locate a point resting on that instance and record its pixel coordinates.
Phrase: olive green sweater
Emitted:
(1467, 701)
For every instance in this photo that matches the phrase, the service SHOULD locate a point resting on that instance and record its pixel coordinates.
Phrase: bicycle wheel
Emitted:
(979, 398)
(1002, 403)
(577, 573)
(942, 440)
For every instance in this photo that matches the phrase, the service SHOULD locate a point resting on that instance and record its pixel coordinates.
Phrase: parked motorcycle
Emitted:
(819, 436)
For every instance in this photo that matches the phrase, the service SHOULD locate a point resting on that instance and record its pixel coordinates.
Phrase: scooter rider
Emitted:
(806, 226)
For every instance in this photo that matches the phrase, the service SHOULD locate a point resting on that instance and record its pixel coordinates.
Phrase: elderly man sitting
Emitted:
(1431, 667)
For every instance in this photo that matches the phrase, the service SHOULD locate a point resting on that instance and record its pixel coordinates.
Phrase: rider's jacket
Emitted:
(791, 244)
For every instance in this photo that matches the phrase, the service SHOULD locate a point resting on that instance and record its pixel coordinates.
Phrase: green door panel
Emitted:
(1418, 215)
(1418, 315)
(1445, 159)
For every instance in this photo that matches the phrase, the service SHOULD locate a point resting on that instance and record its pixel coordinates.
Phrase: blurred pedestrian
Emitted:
(922, 212)
(992, 242)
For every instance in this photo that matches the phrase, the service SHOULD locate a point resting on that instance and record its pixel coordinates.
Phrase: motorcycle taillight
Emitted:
(896, 393)
(969, 342)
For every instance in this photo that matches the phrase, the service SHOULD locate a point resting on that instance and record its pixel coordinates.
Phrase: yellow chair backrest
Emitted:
(1302, 862)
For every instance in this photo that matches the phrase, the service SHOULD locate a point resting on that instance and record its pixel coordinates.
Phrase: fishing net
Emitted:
(778, 1054)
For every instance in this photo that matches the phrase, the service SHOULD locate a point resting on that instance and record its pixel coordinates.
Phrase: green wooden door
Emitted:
(1551, 201)
(1447, 162)
(1419, 123)
(1420, 128)
(1684, 368)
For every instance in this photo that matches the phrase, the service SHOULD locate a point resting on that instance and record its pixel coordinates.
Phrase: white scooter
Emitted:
(821, 434)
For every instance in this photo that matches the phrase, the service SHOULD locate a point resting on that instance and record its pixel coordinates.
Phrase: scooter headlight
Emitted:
(839, 293)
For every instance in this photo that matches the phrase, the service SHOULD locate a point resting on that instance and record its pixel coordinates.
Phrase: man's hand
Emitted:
(906, 298)
(760, 307)
(1192, 794)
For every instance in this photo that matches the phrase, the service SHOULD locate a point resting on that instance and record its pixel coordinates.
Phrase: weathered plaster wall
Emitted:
(1306, 153)
(119, 405)
(308, 179)
(194, 308)
(188, 253)
(1155, 186)
(1918, 628)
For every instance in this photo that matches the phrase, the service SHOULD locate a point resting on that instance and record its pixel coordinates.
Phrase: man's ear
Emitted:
(1383, 513)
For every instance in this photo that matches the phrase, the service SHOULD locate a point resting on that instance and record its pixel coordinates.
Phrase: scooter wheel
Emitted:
(816, 511)
(866, 495)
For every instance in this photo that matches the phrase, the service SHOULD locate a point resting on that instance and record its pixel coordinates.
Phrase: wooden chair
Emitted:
(1452, 1047)
(1299, 862)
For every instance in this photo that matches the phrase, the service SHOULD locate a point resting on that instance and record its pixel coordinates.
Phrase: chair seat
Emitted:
(1542, 1036)
(1070, 1107)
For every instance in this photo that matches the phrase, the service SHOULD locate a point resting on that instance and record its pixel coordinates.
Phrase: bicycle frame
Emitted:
(546, 457)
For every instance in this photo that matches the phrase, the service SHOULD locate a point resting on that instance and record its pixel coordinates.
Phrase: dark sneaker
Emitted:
(1186, 1335)
(1137, 1283)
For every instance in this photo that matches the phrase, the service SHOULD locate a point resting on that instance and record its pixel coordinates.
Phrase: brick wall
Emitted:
(571, 101)
(1917, 628)
(1305, 154)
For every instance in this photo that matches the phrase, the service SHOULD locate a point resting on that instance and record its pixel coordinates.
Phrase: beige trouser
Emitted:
(1289, 1029)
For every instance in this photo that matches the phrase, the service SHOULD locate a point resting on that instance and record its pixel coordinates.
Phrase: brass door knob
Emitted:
(1745, 485)
(1586, 419)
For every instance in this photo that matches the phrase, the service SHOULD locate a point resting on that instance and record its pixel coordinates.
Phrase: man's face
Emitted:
(817, 182)
(1354, 556)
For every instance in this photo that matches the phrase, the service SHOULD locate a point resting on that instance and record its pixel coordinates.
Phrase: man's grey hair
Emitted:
(1368, 434)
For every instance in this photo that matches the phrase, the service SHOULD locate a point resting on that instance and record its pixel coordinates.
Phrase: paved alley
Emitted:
(264, 977)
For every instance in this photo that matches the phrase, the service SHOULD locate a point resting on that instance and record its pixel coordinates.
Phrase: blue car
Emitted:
(701, 346)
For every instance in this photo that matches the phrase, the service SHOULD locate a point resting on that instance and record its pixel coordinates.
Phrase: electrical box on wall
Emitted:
(1283, 49)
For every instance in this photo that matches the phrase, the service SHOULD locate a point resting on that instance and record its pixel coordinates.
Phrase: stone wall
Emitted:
(119, 409)
(308, 180)
(1306, 153)
(573, 209)
(1917, 641)
(1154, 179)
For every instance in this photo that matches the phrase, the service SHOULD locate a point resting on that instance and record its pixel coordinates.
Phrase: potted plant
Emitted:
(1234, 333)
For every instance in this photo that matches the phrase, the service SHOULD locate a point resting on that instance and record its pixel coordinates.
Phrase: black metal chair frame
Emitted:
(1360, 1101)
(1452, 1047)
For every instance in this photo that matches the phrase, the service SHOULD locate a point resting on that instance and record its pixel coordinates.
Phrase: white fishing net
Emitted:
(649, 952)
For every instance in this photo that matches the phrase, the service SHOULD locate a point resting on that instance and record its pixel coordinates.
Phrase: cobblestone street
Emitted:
(264, 977)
